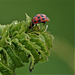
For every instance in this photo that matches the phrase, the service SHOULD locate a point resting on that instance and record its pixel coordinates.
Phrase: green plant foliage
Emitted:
(19, 45)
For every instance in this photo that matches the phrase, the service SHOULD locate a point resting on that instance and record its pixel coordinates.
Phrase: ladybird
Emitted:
(39, 18)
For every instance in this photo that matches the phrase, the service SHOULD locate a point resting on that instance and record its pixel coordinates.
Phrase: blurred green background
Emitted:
(61, 14)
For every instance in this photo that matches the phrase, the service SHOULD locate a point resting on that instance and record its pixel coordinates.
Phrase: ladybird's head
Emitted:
(47, 19)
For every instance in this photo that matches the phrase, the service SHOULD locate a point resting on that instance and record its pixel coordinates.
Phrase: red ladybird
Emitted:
(39, 18)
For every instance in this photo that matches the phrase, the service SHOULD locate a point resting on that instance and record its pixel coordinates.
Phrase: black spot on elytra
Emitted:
(39, 21)
(34, 20)
(43, 18)
(38, 17)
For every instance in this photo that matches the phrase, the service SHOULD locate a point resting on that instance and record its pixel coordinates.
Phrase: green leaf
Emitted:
(40, 41)
(16, 27)
(5, 70)
(20, 52)
(48, 39)
(28, 19)
(30, 46)
(7, 60)
(23, 27)
(17, 62)
(15, 41)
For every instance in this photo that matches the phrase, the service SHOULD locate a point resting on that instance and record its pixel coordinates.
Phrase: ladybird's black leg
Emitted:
(31, 25)
(36, 25)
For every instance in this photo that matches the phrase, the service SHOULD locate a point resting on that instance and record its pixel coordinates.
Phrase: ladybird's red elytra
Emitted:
(39, 18)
